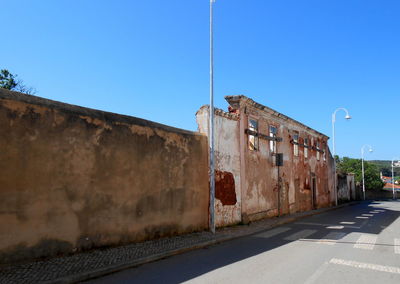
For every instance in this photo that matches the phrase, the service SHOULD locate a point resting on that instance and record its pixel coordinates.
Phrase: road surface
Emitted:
(354, 244)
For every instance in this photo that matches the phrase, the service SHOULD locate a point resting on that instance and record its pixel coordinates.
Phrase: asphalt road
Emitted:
(355, 244)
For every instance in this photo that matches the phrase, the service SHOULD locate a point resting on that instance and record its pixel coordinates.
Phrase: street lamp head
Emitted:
(371, 150)
(348, 117)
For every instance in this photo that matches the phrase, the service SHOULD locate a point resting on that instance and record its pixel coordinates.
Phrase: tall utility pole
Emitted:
(362, 167)
(393, 178)
(394, 193)
(347, 117)
(211, 127)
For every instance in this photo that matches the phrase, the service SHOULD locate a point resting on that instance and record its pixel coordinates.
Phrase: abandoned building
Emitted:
(76, 178)
(267, 164)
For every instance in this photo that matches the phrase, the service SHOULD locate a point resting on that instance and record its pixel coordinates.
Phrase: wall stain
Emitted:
(225, 188)
(77, 179)
(45, 248)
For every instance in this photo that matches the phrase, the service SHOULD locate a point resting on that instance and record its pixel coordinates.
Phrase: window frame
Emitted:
(296, 144)
(272, 143)
(318, 148)
(255, 146)
(306, 145)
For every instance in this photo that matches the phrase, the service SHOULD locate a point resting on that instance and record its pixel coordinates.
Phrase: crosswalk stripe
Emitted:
(274, 232)
(300, 235)
(366, 241)
(397, 246)
(331, 238)
(363, 265)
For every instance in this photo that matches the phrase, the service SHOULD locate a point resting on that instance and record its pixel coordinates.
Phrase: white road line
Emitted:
(397, 246)
(327, 225)
(337, 227)
(317, 274)
(331, 238)
(363, 265)
(368, 215)
(366, 241)
(300, 235)
(273, 232)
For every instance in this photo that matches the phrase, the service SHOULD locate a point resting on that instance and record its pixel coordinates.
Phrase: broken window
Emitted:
(318, 150)
(253, 137)
(272, 143)
(296, 144)
(305, 147)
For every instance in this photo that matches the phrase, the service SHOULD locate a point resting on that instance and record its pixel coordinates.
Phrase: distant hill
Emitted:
(386, 167)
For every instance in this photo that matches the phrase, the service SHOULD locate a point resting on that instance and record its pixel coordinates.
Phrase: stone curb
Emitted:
(119, 267)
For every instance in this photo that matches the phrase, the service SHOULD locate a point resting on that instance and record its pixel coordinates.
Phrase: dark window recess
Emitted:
(314, 148)
(262, 136)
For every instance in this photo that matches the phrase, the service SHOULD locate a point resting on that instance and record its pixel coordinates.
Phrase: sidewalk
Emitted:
(99, 262)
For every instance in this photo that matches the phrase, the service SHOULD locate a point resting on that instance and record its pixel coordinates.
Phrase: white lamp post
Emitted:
(333, 145)
(394, 193)
(211, 128)
(362, 166)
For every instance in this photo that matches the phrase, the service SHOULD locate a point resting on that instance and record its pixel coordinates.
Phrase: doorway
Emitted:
(313, 191)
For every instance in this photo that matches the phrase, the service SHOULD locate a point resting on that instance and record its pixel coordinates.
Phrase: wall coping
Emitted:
(108, 117)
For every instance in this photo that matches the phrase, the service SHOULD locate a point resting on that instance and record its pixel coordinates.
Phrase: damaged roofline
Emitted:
(234, 101)
(220, 112)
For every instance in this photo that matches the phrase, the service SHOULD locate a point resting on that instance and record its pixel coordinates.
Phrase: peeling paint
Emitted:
(225, 188)
(75, 178)
(303, 182)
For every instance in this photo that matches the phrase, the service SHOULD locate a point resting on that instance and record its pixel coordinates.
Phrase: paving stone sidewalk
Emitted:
(83, 266)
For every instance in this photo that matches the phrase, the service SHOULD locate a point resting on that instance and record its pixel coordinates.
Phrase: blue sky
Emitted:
(149, 59)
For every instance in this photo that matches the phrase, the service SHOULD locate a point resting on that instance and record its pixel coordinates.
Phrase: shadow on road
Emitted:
(367, 218)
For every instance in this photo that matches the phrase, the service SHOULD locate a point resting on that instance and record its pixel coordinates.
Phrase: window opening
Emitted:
(272, 143)
(253, 138)
(305, 147)
(296, 144)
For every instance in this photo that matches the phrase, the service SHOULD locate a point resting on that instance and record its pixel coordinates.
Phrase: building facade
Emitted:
(267, 164)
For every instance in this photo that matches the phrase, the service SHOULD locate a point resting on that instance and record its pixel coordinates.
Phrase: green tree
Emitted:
(10, 81)
(372, 175)
(7, 80)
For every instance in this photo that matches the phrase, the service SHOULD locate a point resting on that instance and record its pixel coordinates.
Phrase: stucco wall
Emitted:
(377, 194)
(351, 185)
(344, 191)
(262, 196)
(227, 164)
(73, 178)
(346, 188)
(255, 172)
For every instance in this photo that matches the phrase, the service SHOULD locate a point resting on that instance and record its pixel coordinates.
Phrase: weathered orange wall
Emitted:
(254, 174)
(74, 178)
(260, 198)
